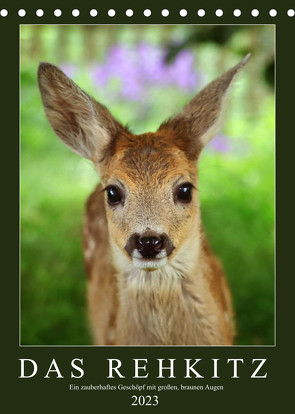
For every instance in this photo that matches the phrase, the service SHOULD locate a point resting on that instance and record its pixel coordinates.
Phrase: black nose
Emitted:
(149, 246)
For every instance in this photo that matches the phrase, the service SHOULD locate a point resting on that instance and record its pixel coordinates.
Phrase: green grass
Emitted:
(238, 218)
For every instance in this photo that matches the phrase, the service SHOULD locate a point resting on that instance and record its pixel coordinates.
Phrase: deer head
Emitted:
(149, 180)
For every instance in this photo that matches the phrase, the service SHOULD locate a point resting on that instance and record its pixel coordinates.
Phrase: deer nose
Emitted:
(149, 246)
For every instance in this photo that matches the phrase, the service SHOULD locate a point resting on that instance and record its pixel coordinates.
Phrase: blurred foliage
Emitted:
(144, 74)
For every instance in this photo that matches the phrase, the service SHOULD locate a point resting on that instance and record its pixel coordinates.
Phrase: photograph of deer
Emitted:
(152, 276)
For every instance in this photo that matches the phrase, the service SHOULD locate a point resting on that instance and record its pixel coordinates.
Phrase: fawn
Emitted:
(152, 276)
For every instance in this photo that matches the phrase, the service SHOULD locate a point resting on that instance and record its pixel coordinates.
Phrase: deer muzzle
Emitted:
(149, 250)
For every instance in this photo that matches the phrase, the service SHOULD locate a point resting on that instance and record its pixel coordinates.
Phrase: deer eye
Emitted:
(114, 195)
(183, 193)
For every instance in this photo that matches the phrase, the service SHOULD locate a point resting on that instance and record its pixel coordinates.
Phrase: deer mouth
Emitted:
(149, 263)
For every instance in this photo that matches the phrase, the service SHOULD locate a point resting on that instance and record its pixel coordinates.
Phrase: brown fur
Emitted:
(185, 300)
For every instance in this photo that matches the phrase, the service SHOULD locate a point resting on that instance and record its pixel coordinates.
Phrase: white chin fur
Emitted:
(149, 265)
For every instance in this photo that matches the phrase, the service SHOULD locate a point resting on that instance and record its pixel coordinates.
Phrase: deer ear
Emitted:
(201, 119)
(83, 124)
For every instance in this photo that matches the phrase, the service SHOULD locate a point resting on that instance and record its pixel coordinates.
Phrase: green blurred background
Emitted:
(144, 74)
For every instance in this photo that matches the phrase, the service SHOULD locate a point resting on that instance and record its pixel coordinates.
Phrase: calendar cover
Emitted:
(146, 150)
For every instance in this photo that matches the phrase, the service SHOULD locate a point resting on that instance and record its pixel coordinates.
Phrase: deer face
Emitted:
(150, 198)
(149, 180)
